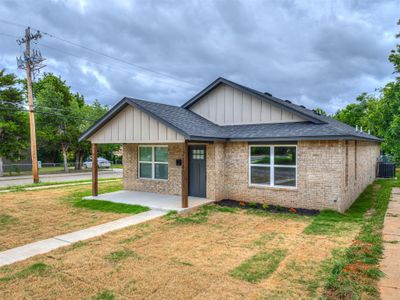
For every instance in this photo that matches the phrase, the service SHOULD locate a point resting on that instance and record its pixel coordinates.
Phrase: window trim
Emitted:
(271, 166)
(152, 162)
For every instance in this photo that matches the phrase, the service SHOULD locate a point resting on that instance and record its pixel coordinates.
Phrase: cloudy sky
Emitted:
(315, 53)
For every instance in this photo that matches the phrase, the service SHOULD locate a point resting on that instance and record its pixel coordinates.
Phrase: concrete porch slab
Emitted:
(152, 200)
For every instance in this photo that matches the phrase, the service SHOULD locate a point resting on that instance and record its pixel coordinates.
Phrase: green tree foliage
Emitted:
(58, 114)
(394, 56)
(90, 113)
(14, 130)
(320, 111)
(379, 114)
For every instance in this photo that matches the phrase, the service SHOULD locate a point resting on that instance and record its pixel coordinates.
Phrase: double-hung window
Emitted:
(153, 162)
(273, 165)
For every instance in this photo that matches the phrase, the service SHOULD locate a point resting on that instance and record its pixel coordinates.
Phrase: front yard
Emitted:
(28, 216)
(217, 252)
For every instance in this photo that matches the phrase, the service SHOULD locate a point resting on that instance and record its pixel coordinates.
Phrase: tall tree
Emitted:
(90, 113)
(13, 121)
(59, 113)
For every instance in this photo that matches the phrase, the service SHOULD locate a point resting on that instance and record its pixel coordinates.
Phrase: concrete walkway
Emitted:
(390, 264)
(20, 253)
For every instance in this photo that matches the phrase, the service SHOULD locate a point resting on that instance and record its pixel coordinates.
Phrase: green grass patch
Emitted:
(259, 266)
(131, 239)
(75, 199)
(7, 220)
(120, 255)
(108, 206)
(35, 269)
(198, 217)
(78, 245)
(330, 222)
(104, 295)
(265, 238)
(355, 273)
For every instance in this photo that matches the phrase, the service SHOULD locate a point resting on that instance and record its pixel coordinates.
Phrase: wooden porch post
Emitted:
(185, 176)
(94, 170)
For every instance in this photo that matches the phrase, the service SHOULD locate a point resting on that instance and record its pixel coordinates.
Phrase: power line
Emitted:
(79, 57)
(13, 23)
(9, 35)
(46, 113)
(104, 54)
(15, 104)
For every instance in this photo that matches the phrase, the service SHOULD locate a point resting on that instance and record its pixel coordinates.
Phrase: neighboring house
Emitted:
(242, 145)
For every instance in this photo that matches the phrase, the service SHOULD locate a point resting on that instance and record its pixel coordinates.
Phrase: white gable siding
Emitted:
(132, 125)
(227, 106)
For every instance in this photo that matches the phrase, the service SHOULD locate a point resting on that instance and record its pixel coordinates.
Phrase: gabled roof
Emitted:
(306, 114)
(194, 127)
(185, 122)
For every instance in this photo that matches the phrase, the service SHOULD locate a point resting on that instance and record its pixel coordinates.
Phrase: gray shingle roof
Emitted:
(195, 127)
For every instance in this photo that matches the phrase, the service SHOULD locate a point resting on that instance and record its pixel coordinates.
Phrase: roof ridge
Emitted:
(150, 101)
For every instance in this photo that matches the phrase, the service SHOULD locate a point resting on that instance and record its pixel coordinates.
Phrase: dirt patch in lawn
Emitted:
(165, 259)
(34, 215)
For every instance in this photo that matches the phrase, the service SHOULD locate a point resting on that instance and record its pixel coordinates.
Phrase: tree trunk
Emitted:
(64, 153)
(1, 167)
(77, 160)
(81, 158)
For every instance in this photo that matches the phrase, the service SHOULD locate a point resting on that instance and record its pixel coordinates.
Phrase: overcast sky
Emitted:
(315, 53)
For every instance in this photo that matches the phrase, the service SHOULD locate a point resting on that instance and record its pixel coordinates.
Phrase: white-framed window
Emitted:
(273, 165)
(153, 162)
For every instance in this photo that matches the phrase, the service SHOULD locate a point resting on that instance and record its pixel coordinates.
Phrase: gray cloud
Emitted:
(317, 53)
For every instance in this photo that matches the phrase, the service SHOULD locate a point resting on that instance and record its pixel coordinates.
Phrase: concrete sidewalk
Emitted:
(58, 177)
(390, 264)
(20, 253)
(52, 186)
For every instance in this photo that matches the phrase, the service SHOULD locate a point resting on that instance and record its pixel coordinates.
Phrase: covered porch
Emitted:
(155, 200)
(156, 161)
(151, 200)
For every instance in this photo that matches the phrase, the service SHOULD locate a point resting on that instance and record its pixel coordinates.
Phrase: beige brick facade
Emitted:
(325, 177)
(172, 186)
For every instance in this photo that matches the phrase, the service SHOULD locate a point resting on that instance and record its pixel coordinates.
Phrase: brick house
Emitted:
(233, 142)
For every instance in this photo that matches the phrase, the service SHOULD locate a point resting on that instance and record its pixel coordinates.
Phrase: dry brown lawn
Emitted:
(162, 259)
(34, 215)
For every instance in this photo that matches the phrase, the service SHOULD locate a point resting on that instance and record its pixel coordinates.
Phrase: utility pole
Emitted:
(31, 62)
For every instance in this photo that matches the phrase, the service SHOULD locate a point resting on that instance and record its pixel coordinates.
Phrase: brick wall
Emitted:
(361, 170)
(321, 175)
(171, 186)
(321, 181)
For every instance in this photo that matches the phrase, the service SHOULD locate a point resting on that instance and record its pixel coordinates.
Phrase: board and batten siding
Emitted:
(132, 125)
(229, 106)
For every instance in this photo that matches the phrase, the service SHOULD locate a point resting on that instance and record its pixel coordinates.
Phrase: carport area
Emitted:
(152, 200)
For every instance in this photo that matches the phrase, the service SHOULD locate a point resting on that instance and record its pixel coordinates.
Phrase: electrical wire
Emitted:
(46, 113)
(81, 58)
(103, 54)
(37, 106)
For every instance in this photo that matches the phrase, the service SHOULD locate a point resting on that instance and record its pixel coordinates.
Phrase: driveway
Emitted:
(19, 180)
